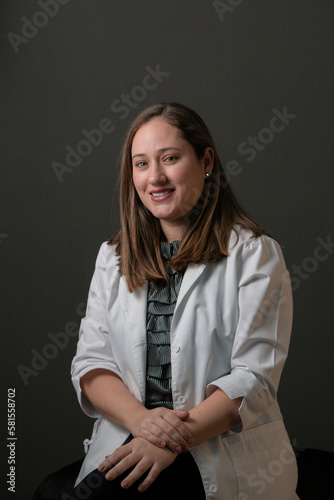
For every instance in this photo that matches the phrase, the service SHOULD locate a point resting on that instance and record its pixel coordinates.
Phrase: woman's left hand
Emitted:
(141, 455)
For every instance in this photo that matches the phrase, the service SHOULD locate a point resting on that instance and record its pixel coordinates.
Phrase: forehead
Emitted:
(155, 134)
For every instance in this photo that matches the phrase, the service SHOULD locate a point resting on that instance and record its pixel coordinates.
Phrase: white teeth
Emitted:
(162, 194)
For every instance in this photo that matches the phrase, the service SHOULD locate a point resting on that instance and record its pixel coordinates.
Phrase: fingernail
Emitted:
(162, 443)
(101, 468)
(190, 440)
(177, 448)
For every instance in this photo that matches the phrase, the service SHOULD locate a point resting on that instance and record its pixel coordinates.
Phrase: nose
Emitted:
(156, 174)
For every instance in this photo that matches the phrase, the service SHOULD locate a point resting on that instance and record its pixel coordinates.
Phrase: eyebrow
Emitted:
(160, 151)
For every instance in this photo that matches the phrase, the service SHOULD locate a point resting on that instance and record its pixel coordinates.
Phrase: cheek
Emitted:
(192, 184)
(139, 188)
(136, 182)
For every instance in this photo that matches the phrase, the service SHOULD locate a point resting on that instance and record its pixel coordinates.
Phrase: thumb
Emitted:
(181, 414)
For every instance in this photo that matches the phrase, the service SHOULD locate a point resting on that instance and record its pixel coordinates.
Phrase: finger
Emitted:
(156, 439)
(114, 458)
(150, 478)
(166, 430)
(181, 414)
(181, 428)
(106, 464)
(121, 467)
(177, 432)
(166, 433)
(140, 469)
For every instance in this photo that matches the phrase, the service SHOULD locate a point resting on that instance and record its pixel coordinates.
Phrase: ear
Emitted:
(208, 160)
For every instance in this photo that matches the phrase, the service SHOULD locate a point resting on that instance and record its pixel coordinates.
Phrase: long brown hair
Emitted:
(209, 223)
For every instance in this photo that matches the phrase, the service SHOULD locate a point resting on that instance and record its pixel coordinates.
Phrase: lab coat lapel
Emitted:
(191, 275)
(134, 306)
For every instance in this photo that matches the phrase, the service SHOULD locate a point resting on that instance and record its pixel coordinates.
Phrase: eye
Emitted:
(170, 158)
(141, 164)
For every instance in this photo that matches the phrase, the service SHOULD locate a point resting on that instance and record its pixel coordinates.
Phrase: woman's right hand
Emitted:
(162, 427)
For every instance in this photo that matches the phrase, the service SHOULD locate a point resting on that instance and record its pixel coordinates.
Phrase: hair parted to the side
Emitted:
(209, 223)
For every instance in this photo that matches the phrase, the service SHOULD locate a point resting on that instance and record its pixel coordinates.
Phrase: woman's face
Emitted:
(167, 175)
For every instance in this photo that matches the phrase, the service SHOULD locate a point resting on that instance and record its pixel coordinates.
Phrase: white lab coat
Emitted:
(231, 329)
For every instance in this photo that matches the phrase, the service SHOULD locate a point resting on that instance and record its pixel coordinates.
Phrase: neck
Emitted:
(172, 233)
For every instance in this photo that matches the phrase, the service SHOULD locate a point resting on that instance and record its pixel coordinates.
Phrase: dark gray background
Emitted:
(234, 72)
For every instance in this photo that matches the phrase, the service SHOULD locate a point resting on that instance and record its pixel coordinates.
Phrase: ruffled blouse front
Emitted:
(161, 301)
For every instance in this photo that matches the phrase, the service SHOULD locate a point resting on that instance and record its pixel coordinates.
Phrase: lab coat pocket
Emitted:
(264, 462)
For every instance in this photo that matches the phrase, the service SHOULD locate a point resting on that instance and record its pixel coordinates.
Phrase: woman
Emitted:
(186, 332)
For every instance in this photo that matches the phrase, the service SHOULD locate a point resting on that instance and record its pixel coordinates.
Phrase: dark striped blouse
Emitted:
(160, 309)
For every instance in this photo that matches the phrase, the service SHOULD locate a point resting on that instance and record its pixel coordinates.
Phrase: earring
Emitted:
(207, 174)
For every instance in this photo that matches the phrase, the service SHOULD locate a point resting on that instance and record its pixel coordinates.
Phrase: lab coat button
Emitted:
(213, 488)
(182, 400)
(177, 348)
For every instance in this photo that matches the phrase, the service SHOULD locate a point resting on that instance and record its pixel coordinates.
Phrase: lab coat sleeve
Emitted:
(263, 331)
(94, 348)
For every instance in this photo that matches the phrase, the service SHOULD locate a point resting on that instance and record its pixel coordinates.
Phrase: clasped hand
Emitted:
(163, 427)
(159, 435)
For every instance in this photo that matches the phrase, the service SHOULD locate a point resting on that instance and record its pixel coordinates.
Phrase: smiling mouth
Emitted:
(162, 193)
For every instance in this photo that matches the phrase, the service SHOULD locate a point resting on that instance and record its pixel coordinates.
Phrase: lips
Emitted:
(161, 194)
(157, 194)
